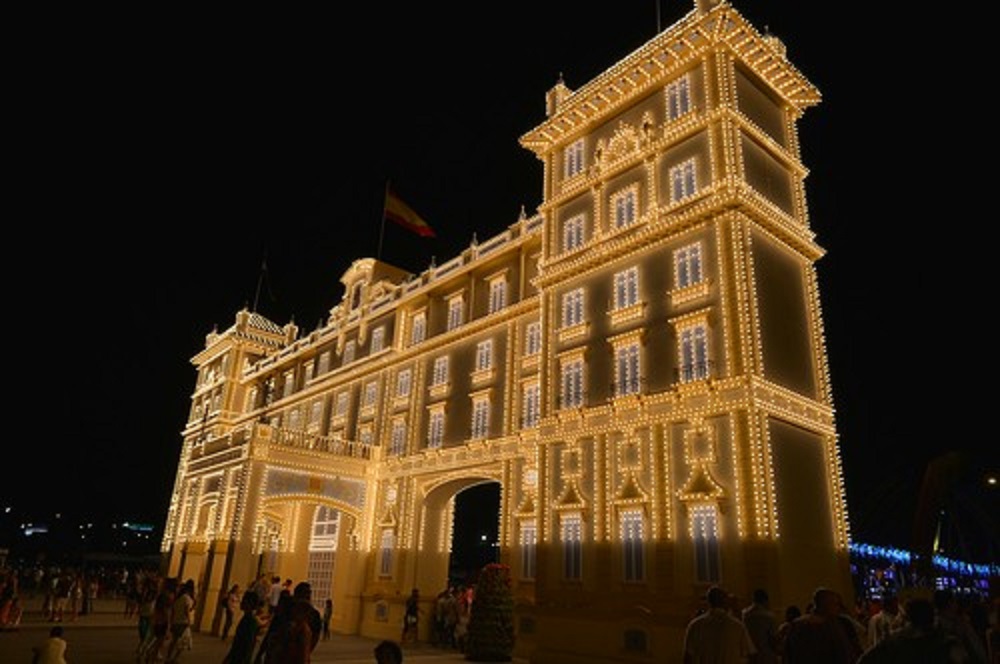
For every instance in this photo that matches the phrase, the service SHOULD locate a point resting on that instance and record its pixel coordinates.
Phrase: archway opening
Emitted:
(475, 538)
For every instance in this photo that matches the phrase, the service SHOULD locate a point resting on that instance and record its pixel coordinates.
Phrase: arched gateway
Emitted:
(640, 366)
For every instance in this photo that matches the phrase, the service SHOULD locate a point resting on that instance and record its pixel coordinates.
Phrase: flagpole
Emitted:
(260, 280)
(381, 232)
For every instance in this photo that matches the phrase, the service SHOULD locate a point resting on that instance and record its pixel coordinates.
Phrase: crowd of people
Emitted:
(272, 620)
(450, 622)
(280, 624)
(941, 628)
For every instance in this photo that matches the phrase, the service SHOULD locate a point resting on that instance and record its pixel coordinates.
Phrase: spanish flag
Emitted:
(401, 213)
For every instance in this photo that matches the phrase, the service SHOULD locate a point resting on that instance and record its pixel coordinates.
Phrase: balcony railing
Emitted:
(300, 439)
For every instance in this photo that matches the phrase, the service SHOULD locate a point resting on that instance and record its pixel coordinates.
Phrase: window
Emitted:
(324, 363)
(632, 537)
(356, 296)
(571, 537)
(439, 376)
(371, 394)
(573, 159)
(315, 413)
(678, 97)
(573, 230)
(572, 308)
(378, 339)
(385, 553)
(530, 401)
(418, 327)
(403, 383)
(365, 435)
(350, 349)
(480, 418)
(627, 369)
(435, 429)
(572, 383)
(682, 181)
(326, 524)
(528, 540)
(289, 383)
(484, 355)
(455, 306)
(307, 371)
(397, 442)
(624, 206)
(687, 265)
(342, 403)
(705, 533)
(627, 288)
(294, 419)
(498, 294)
(694, 353)
(251, 401)
(533, 339)
(323, 549)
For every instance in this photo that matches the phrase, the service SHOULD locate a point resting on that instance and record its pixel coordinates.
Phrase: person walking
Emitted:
(295, 629)
(248, 631)
(232, 605)
(411, 617)
(792, 613)
(762, 627)
(327, 617)
(886, 621)
(919, 641)
(181, 617)
(715, 636)
(274, 594)
(949, 618)
(159, 627)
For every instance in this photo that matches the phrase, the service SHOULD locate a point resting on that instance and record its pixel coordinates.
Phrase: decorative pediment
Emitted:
(570, 498)
(630, 490)
(527, 505)
(389, 518)
(701, 485)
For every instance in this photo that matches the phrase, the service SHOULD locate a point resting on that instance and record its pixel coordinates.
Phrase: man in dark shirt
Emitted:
(820, 637)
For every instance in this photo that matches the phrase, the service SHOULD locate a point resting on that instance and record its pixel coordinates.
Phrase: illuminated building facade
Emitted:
(640, 365)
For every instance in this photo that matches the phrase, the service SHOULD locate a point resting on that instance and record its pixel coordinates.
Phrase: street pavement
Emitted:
(107, 637)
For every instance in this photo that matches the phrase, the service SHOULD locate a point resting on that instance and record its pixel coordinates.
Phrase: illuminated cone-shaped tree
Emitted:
(491, 624)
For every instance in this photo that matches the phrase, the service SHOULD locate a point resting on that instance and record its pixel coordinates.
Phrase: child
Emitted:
(327, 615)
(53, 649)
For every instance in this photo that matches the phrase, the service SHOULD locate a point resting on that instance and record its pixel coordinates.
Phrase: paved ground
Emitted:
(106, 637)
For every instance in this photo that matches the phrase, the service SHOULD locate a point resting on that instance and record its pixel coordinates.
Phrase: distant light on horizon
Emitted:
(991, 480)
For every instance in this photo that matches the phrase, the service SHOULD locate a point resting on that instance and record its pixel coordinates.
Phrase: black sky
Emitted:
(160, 156)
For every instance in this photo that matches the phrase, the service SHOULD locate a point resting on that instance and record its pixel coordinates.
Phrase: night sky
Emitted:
(159, 158)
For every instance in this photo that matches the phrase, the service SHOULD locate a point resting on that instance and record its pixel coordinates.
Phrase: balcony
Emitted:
(483, 376)
(689, 293)
(439, 390)
(573, 332)
(304, 440)
(628, 314)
